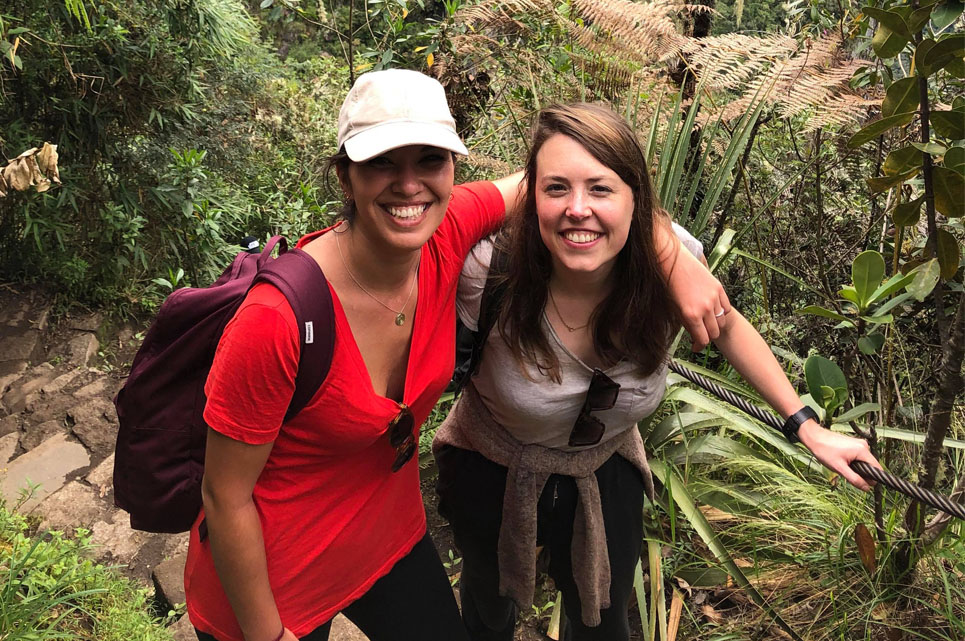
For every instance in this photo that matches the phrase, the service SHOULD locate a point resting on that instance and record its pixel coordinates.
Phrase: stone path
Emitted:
(57, 432)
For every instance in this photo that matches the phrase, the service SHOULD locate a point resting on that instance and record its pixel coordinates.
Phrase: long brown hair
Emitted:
(638, 316)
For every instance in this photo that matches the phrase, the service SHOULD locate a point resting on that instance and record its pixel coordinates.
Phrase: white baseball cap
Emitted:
(394, 108)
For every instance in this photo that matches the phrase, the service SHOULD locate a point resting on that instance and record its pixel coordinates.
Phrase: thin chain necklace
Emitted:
(560, 316)
(399, 314)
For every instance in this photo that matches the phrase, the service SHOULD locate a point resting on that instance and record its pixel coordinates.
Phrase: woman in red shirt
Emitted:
(324, 514)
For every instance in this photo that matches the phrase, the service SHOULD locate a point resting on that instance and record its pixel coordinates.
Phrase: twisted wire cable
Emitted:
(933, 499)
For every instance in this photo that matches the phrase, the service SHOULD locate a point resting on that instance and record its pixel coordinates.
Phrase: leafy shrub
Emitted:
(51, 589)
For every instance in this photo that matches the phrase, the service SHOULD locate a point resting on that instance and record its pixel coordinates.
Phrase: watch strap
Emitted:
(794, 422)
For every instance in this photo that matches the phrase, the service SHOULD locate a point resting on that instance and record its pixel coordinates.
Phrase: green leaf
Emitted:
(901, 435)
(906, 214)
(930, 148)
(886, 43)
(266, 3)
(948, 124)
(902, 97)
(817, 310)
(867, 271)
(879, 127)
(848, 292)
(860, 410)
(945, 50)
(956, 68)
(825, 397)
(918, 19)
(949, 188)
(871, 344)
(946, 14)
(884, 183)
(891, 19)
(721, 249)
(894, 302)
(878, 319)
(949, 254)
(955, 159)
(926, 277)
(921, 53)
(820, 373)
(893, 284)
(901, 160)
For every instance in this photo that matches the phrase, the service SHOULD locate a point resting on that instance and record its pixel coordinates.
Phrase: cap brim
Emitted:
(392, 135)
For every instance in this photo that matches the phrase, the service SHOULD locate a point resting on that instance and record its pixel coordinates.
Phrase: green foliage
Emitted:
(51, 589)
(179, 135)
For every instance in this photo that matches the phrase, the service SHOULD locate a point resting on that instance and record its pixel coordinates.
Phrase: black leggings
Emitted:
(471, 489)
(413, 602)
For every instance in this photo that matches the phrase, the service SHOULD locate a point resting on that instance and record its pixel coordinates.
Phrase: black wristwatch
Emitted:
(794, 422)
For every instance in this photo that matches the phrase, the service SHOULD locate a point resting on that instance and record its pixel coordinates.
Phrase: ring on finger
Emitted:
(719, 314)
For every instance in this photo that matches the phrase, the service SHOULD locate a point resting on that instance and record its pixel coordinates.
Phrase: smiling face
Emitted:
(400, 196)
(584, 208)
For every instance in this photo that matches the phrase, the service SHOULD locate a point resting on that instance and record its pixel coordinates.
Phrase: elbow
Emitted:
(218, 498)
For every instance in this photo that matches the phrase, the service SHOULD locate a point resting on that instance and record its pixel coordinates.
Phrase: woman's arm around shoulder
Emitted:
(750, 355)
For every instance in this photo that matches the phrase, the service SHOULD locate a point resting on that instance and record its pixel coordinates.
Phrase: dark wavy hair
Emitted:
(638, 317)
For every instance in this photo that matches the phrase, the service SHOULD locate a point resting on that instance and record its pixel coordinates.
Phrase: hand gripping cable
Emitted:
(933, 499)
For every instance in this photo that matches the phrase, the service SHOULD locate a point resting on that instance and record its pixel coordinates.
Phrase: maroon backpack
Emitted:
(159, 457)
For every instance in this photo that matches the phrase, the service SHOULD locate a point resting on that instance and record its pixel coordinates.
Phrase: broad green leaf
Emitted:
(867, 271)
(948, 124)
(819, 373)
(705, 447)
(930, 148)
(926, 277)
(919, 17)
(906, 214)
(901, 160)
(949, 188)
(849, 293)
(890, 19)
(956, 68)
(886, 43)
(902, 97)
(893, 284)
(946, 14)
(949, 254)
(919, 65)
(950, 47)
(871, 343)
(860, 410)
(879, 127)
(817, 310)
(826, 396)
(884, 183)
(878, 318)
(955, 159)
(705, 530)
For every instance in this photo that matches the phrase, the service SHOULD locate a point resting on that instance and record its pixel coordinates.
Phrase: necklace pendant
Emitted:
(400, 319)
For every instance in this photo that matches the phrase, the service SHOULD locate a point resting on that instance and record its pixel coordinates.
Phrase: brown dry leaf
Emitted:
(866, 547)
(47, 159)
(673, 622)
(18, 174)
(3, 186)
(711, 614)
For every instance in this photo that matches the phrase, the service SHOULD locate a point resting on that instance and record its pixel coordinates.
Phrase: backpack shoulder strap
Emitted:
(300, 279)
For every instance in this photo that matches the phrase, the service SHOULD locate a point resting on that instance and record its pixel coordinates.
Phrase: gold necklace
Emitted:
(560, 316)
(399, 315)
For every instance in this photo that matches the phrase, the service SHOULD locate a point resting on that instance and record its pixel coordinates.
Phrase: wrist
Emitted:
(796, 421)
(809, 431)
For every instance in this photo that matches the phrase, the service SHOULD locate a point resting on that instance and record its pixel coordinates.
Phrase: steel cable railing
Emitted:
(935, 500)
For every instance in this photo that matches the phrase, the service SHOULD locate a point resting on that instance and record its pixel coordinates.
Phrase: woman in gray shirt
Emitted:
(542, 445)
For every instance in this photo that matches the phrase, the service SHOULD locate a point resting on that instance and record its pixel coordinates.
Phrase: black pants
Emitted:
(471, 488)
(413, 602)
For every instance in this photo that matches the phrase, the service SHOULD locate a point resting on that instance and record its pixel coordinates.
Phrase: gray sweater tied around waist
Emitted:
(470, 426)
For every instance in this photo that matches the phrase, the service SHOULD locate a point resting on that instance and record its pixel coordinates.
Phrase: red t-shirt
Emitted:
(335, 518)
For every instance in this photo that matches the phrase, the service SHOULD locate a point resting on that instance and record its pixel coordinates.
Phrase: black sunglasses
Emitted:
(601, 395)
(401, 437)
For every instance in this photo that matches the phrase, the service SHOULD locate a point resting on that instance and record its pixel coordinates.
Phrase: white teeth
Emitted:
(581, 236)
(406, 212)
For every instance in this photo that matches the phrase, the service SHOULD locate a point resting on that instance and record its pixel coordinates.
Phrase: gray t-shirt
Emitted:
(532, 407)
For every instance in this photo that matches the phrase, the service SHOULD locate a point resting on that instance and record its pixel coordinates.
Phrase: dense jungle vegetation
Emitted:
(816, 147)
